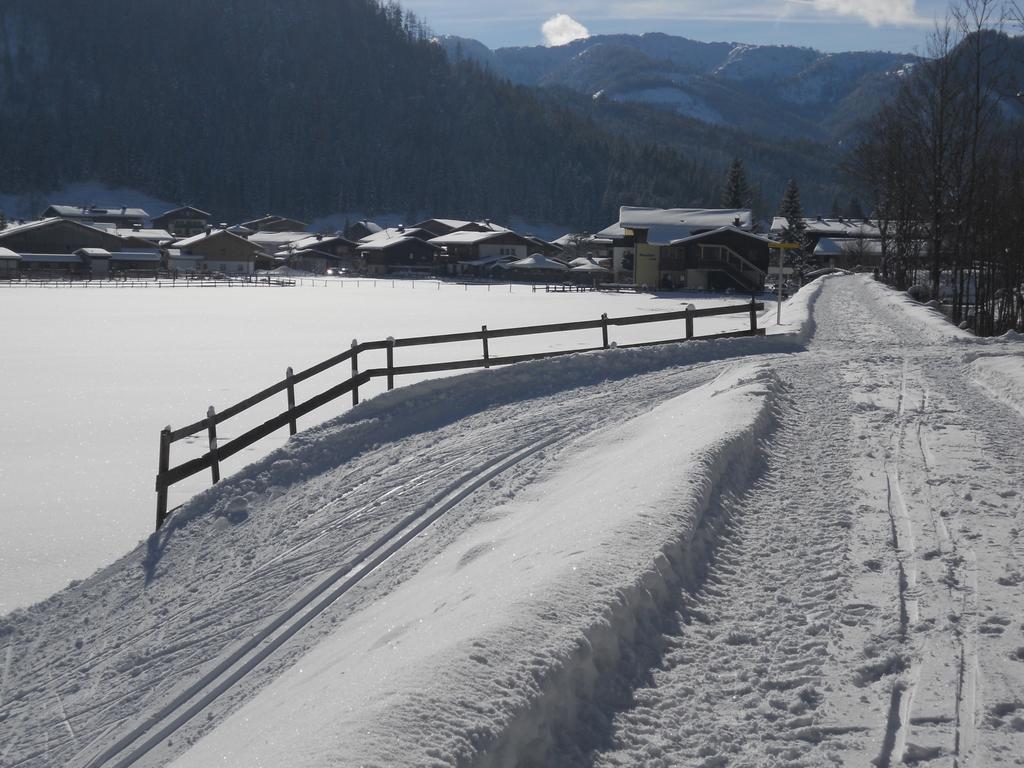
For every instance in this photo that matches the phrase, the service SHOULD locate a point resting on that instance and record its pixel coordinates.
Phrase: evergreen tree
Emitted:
(795, 230)
(737, 192)
(854, 210)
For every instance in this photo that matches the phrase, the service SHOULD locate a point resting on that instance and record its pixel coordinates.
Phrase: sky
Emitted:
(828, 25)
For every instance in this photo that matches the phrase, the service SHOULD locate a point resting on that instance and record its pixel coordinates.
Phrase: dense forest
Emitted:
(304, 107)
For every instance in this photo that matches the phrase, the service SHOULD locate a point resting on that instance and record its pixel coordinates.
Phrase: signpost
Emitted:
(783, 247)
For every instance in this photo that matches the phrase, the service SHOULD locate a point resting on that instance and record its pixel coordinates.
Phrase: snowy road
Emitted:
(864, 602)
(678, 556)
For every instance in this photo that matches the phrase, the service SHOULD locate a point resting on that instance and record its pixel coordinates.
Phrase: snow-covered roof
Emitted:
(96, 211)
(828, 246)
(837, 227)
(392, 233)
(190, 241)
(312, 241)
(384, 244)
(155, 235)
(665, 225)
(268, 237)
(94, 253)
(589, 267)
(707, 233)
(7, 253)
(537, 261)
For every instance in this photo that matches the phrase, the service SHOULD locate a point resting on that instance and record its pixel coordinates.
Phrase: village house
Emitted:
(185, 221)
(58, 236)
(94, 214)
(476, 250)
(710, 249)
(10, 263)
(398, 255)
(317, 253)
(221, 251)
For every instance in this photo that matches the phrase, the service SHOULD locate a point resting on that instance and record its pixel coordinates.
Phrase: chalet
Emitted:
(317, 253)
(121, 216)
(479, 249)
(849, 253)
(271, 223)
(10, 263)
(272, 241)
(55, 235)
(696, 248)
(836, 229)
(222, 251)
(185, 221)
(398, 254)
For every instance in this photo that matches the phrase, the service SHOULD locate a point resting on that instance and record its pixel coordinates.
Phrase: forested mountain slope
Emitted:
(304, 107)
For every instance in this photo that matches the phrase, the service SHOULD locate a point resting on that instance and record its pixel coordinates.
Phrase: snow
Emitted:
(78, 452)
(795, 550)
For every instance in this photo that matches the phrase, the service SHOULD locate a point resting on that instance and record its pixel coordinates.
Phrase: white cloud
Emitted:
(561, 29)
(874, 12)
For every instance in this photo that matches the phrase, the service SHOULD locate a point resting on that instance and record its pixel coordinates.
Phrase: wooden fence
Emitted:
(168, 475)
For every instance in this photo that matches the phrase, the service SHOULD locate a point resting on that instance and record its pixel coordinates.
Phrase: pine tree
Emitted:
(795, 230)
(737, 192)
(854, 210)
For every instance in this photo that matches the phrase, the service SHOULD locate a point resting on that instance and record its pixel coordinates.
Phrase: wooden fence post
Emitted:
(292, 426)
(689, 321)
(211, 431)
(753, 317)
(487, 351)
(161, 482)
(391, 362)
(604, 329)
(355, 372)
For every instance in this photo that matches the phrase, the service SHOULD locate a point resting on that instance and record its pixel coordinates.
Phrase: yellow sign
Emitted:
(785, 246)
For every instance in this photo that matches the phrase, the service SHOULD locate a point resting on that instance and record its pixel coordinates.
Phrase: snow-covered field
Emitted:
(90, 375)
(795, 551)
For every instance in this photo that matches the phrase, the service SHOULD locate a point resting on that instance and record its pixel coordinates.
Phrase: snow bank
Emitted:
(797, 318)
(428, 404)
(1002, 376)
(457, 665)
(936, 324)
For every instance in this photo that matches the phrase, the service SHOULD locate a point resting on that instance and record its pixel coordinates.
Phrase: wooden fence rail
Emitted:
(168, 475)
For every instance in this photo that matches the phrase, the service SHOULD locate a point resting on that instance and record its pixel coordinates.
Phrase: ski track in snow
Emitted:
(850, 596)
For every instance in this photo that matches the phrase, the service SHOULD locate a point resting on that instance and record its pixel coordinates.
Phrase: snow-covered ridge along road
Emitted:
(684, 557)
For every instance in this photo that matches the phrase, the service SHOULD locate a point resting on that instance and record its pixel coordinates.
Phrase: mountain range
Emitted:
(772, 90)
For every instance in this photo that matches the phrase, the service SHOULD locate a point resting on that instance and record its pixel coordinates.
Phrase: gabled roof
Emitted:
(53, 221)
(392, 233)
(837, 227)
(185, 211)
(710, 232)
(190, 241)
(272, 220)
(851, 246)
(95, 211)
(313, 241)
(471, 238)
(665, 225)
(383, 245)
